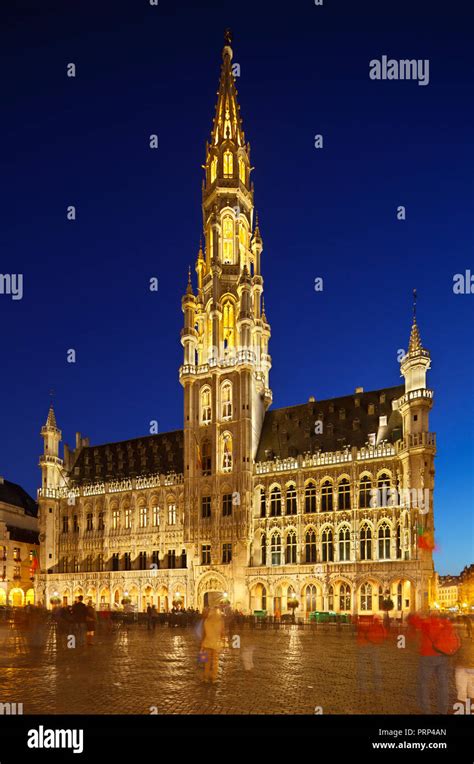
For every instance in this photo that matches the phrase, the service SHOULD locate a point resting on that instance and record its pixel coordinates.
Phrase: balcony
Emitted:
(417, 440)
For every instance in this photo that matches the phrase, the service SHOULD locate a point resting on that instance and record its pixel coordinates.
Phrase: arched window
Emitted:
(383, 488)
(227, 240)
(263, 549)
(291, 548)
(310, 546)
(310, 597)
(344, 597)
(399, 542)
(344, 494)
(399, 595)
(241, 170)
(291, 507)
(227, 452)
(206, 459)
(384, 542)
(263, 503)
(366, 597)
(226, 400)
(206, 410)
(327, 545)
(365, 487)
(276, 549)
(365, 543)
(344, 544)
(275, 501)
(243, 236)
(331, 598)
(310, 497)
(228, 164)
(326, 496)
(213, 169)
(228, 324)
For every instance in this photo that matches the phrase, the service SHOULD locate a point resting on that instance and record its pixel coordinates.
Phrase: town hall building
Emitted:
(327, 503)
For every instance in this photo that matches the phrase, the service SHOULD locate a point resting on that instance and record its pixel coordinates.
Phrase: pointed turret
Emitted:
(50, 462)
(227, 123)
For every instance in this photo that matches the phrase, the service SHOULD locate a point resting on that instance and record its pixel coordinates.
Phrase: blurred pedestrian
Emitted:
(90, 623)
(213, 636)
(79, 614)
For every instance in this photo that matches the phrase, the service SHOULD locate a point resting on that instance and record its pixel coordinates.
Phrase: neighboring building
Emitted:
(18, 545)
(245, 503)
(466, 587)
(448, 592)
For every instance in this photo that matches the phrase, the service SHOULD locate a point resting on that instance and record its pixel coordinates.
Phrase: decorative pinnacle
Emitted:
(189, 288)
(228, 36)
(415, 339)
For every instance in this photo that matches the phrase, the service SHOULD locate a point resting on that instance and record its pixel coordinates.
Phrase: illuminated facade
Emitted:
(330, 501)
(19, 547)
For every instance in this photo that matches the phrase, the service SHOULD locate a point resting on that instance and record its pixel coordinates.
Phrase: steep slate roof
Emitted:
(290, 431)
(11, 493)
(160, 454)
(23, 534)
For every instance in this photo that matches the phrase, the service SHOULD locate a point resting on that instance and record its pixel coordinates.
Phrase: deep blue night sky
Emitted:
(329, 213)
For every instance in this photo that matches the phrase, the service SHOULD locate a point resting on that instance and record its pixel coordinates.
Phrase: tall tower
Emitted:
(225, 372)
(48, 498)
(417, 452)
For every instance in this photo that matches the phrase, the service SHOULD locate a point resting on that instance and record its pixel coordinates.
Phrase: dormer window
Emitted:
(371, 410)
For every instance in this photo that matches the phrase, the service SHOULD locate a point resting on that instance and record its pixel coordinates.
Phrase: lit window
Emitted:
(327, 546)
(276, 549)
(228, 164)
(275, 502)
(128, 518)
(344, 494)
(227, 452)
(310, 498)
(115, 519)
(241, 170)
(291, 507)
(310, 546)
(172, 514)
(344, 597)
(291, 548)
(344, 545)
(206, 406)
(228, 240)
(366, 597)
(143, 517)
(326, 497)
(156, 516)
(226, 396)
(213, 169)
(229, 324)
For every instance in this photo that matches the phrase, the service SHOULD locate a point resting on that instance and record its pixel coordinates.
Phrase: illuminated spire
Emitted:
(227, 121)
(415, 340)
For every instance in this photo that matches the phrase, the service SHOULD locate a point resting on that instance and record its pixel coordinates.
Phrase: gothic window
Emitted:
(344, 494)
(241, 170)
(365, 543)
(206, 458)
(327, 545)
(275, 502)
(366, 597)
(310, 546)
(383, 488)
(291, 507)
(365, 487)
(344, 597)
(228, 324)
(227, 240)
(213, 169)
(226, 452)
(128, 517)
(263, 549)
(291, 547)
(331, 598)
(226, 553)
(156, 516)
(227, 505)
(206, 415)
(226, 400)
(344, 545)
(115, 519)
(205, 507)
(384, 542)
(276, 549)
(101, 524)
(89, 526)
(143, 517)
(228, 164)
(243, 236)
(65, 524)
(310, 598)
(206, 554)
(263, 503)
(326, 496)
(310, 497)
(172, 514)
(399, 596)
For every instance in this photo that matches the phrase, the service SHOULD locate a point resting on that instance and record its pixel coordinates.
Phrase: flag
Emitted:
(34, 562)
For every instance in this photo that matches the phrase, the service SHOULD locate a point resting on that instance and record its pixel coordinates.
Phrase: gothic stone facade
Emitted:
(325, 501)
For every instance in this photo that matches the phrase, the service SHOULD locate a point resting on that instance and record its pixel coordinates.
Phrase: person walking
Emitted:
(90, 623)
(213, 635)
(79, 615)
(438, 642)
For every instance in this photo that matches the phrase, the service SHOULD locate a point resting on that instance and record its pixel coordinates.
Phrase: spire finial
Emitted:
(414, 305)
(228, 36)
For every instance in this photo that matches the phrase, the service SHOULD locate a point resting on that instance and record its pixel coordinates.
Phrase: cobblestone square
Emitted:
(291, 670)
